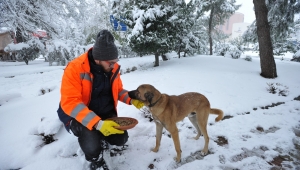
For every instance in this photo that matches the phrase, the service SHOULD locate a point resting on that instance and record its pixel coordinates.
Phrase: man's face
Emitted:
(107, 65)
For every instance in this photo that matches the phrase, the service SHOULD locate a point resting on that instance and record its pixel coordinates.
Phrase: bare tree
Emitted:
(267, 62)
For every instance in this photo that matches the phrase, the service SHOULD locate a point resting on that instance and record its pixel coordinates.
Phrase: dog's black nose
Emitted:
(132, 94)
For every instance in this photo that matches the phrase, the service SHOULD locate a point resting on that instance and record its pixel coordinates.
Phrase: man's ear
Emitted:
(132, 94)
(149, 96)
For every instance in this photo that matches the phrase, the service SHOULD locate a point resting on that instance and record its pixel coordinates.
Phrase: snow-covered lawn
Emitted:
(260, 130)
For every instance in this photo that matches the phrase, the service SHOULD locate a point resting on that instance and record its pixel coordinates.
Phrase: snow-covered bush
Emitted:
(248, 58)
(46, 130)
(296, 56)
(15, 47)
(228, 50)
(274, 88)
(282, 47)
(234, 52)
(125, 51)
(221, 49)
(26, 51)
(61, 52)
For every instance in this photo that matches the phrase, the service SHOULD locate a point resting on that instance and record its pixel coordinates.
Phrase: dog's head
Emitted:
(145, 93)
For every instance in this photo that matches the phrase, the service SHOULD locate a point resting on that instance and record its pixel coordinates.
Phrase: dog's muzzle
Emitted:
(133, 94)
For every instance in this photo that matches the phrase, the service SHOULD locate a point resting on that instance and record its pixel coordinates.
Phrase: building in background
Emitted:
(41, 34)
(235, 18)
(234, 26)
(7, 36)
(238, 29)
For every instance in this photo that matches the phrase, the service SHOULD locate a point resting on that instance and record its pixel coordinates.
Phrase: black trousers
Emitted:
(91, 141)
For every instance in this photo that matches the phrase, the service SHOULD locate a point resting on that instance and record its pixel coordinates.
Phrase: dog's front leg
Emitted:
(175, 137)
(159, 129)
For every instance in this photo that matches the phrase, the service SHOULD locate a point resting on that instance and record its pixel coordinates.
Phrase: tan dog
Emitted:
(168, 110)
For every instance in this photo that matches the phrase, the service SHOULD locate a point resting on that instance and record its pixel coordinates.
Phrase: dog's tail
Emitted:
(217, 112)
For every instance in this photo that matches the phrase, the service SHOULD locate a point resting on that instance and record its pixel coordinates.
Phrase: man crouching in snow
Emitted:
(90, 89)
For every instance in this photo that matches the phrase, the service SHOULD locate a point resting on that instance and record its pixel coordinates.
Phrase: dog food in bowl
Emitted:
(124, 122)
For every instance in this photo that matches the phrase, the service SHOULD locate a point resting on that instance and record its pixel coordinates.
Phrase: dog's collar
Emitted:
(152, 104)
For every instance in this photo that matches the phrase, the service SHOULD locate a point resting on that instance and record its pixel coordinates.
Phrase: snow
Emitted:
(233, 85)
(16, 47)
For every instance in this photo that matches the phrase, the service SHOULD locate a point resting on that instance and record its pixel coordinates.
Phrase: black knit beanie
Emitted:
(104, 48)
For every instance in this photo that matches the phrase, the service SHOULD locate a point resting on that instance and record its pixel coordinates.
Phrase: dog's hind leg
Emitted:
(202, 122)
(193, 119)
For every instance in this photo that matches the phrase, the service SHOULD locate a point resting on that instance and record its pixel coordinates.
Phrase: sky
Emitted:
(247, 10)
(253, 136)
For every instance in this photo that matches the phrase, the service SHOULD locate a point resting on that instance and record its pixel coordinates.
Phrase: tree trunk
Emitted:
(26, 60)
(267, 62)
(19, 36)
(164, 57)
(156, 63)
(179, 50)
(210, 30)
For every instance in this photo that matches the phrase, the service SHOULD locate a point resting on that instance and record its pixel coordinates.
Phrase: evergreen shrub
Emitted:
(296, 56)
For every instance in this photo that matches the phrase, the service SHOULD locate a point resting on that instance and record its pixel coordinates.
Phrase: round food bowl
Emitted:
(124, 122)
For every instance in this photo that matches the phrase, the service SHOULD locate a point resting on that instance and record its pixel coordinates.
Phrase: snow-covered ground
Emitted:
(260, 129)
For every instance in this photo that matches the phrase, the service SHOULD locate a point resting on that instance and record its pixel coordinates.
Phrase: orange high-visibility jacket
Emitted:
(76, 88)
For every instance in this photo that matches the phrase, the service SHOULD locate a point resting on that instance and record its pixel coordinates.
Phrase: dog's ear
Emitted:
(149, 96)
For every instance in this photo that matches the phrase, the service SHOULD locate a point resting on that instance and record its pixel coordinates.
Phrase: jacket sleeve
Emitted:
(71, 96)
(122, 93)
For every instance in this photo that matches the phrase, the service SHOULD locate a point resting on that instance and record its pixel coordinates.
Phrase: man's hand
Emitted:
(106, 127)
(138, 104)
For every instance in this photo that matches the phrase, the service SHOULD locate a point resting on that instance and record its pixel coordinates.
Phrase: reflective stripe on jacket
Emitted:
(76, 88)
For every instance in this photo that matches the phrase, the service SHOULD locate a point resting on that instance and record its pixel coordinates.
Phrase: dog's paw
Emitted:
(196, 138)
(178, 160)
(203, 153)
(154, 149)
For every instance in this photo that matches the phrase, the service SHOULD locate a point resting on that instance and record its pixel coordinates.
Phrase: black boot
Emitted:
(97, 165)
